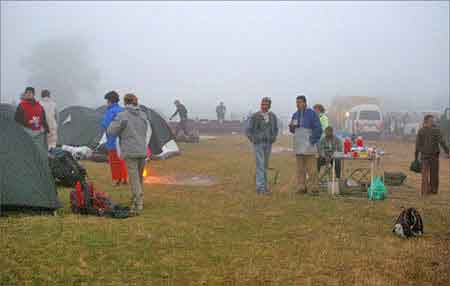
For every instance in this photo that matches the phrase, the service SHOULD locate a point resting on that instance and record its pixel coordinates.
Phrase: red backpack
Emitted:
(84, 200)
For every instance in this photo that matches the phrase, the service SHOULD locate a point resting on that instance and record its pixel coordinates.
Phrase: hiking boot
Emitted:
(301, 191)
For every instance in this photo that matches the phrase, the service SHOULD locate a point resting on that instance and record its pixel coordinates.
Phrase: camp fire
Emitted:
(146, 171)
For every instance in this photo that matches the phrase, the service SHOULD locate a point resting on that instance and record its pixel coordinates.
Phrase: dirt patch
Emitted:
(207, 137)
(181, 179)
(281, 149)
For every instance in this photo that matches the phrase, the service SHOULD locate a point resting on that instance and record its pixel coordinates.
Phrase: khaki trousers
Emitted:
(307, 164)
(135, 175)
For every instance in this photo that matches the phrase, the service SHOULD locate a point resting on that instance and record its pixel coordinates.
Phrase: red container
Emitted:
(347, 145)
(360, 141)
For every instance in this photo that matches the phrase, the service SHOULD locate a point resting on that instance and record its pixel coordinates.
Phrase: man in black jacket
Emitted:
(428, 141)
(182, 112)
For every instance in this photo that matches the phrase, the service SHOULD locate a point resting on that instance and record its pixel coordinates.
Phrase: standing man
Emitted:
(427, 145)
(51, 114)
(221, 110)
(183, 113)
(329, 144)
(132, 127)
(322, 116)
(305, 125)
(117, 165)
(262, 131)
(31, 115)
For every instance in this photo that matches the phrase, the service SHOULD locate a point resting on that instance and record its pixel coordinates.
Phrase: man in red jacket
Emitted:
(31, 115)
(30, 112)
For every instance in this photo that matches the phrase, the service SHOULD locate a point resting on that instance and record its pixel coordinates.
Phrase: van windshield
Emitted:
(369, 115)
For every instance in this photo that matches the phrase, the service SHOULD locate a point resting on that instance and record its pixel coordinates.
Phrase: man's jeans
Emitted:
(262, 154)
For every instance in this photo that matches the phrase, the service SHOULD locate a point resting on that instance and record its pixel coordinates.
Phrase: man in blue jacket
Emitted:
(307, 130)
(118, 167)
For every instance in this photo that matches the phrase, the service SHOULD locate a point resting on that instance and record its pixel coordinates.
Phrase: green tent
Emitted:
(25, 177)
(162, 143)
(79, 126)
(7, 112)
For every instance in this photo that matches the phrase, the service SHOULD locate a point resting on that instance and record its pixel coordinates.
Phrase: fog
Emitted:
(203, 53)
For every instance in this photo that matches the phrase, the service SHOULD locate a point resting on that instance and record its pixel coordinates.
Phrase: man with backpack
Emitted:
(134, 131)
(262, 131)
(427, 145)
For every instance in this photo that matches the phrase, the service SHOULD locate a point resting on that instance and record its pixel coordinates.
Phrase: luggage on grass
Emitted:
(408, 224)
(65, 169)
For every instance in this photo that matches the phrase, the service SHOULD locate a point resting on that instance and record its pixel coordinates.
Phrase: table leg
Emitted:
(334, 176)
(372, 171)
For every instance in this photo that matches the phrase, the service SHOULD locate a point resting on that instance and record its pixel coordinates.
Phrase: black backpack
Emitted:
(416, 166)
(408, 224)
(65, 169)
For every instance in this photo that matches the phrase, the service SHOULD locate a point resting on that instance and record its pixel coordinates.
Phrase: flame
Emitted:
(145, 173)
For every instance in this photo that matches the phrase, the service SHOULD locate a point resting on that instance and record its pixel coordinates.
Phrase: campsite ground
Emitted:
(227, 235)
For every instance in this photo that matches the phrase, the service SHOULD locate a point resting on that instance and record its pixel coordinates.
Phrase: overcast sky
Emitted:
(202, 53)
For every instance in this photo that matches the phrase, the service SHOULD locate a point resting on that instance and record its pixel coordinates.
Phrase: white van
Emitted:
(365, 119)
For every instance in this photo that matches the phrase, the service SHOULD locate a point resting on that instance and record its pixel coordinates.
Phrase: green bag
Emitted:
(416, 166)
(394, 178)
(377, 190)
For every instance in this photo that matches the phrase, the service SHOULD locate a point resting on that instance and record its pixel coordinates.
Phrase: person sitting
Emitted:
(329, 144)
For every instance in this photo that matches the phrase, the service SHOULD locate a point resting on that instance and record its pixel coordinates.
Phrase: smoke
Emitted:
(64, 66)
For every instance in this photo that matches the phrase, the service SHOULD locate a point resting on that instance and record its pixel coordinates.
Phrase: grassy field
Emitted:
(227, 235)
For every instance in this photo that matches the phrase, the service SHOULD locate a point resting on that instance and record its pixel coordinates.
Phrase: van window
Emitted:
(369, 115)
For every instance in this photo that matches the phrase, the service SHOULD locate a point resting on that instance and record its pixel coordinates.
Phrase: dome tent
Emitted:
(7, 111)
(162, 143)
(79, 126)
(25, 177)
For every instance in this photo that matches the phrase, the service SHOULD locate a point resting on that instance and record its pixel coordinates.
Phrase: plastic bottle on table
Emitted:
(347, 145)
(360, 142)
